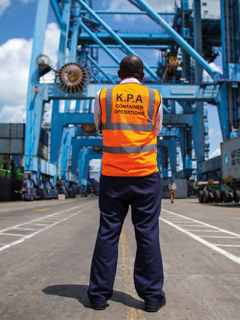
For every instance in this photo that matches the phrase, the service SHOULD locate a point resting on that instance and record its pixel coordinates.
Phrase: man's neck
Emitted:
(130, 79)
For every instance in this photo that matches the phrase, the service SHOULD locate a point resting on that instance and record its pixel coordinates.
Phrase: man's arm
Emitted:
(97, 113)
(159, 119)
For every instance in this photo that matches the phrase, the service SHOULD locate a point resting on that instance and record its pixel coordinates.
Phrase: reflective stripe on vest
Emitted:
(130, 149)
(109, 125)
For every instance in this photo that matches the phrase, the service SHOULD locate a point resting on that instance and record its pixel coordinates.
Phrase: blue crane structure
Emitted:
(187, 46)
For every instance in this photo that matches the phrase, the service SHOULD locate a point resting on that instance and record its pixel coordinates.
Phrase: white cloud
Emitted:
(52, 41)
(14, 65)
(124, 5)
(213, 65)
(119, 5)
(163, 6)
(210, 11)
(215, 153)
(13, 114)
(3, 5)
(15, 57)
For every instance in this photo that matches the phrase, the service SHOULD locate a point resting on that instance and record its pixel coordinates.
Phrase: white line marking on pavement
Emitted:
(226, 237)
(30, 205)
(202, 230)
(43, 229)
(39, 224)
(190, 225)
(182, 221)
(18, 228)
(10, 234)
(178, 221)
(39, 219)
(50, 219)
(227, 245)
(203, 241)
(47, 222)
(203, 223)
(174, 219)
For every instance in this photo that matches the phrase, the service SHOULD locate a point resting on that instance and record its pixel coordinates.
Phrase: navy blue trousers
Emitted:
(116, 194)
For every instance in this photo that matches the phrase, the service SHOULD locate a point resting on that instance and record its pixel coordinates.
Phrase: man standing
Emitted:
(172, 187)
(130, 117)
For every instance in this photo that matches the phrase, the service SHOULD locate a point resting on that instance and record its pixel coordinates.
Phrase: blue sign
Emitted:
(226, 160)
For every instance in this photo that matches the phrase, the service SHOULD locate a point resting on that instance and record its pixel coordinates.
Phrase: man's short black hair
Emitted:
(131, 66)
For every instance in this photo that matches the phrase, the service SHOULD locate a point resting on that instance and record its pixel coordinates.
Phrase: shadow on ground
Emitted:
(79, 292)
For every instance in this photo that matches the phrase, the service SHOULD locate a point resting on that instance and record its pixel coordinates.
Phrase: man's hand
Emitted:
(100, 128)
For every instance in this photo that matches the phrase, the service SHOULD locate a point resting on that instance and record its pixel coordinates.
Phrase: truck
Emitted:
(228, 189)
(11, 178)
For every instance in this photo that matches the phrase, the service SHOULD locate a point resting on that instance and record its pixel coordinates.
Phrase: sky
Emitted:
(17, 25)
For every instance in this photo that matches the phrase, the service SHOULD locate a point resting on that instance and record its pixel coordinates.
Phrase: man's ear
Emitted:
(119, 74)
(142, 76)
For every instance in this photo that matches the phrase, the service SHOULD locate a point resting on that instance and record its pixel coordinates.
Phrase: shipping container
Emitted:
(4, 130)
(18, 160)
(210, 9)
(44, 137)
(4, 146)
(11, 146)
(17, 130)
(12, 139)
(230, 158)
(12, 130)
(43, 151)
(4, 158)
(16, 146)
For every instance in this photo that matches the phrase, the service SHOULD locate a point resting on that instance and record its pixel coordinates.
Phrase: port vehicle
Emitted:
(47, 190)
(62, 189)
(228, 189)
(11, 179)
(71, 189)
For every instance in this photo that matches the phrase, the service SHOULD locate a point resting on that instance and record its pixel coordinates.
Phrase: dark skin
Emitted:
(131, 66)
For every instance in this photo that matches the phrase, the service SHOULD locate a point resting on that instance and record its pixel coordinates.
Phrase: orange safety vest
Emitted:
(129, 141)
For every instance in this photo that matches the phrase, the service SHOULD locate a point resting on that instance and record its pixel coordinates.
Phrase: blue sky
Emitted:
(13, 22)
(17, 24)
(17, 20)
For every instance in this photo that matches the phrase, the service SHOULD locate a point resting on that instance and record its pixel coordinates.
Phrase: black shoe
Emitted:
(150, 308)
(99, 306)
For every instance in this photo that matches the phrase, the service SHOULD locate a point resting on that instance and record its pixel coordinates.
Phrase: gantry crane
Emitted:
(187, 46)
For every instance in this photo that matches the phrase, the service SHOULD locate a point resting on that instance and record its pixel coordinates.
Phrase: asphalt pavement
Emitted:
(46, 249)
